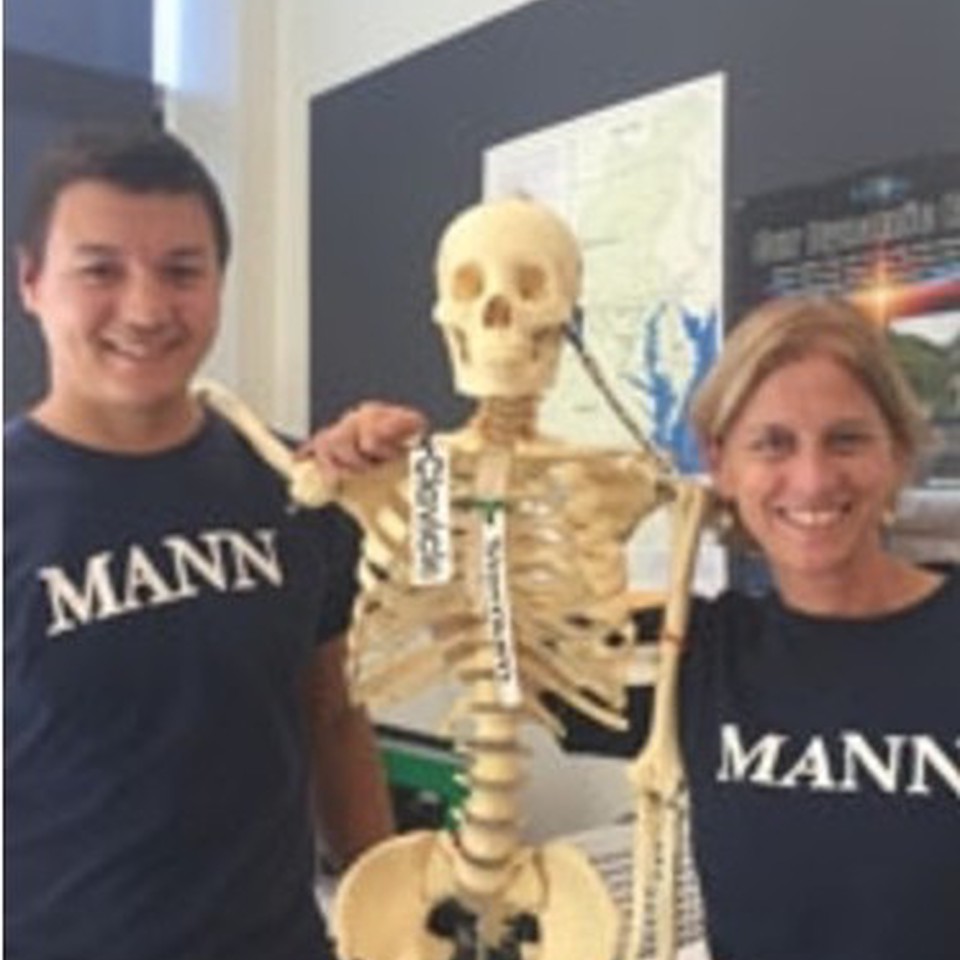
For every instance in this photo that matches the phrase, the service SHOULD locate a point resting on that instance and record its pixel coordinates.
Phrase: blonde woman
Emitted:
(820, 723)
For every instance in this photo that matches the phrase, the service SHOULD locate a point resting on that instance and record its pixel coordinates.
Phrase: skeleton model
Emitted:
(495, 554)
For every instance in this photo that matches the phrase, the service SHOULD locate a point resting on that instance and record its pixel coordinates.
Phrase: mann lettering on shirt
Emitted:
(113, 583)
(849, 762)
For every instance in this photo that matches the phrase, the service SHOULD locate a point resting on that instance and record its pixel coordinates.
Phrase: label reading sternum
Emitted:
(497, 607)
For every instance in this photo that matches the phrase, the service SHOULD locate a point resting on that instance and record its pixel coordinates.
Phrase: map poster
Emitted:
(641, 185)
(888, 239)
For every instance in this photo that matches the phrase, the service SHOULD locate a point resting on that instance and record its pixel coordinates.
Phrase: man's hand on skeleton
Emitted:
(365, 436)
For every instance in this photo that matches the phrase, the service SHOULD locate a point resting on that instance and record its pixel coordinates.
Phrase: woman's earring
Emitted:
(725, 518)
(888, 518)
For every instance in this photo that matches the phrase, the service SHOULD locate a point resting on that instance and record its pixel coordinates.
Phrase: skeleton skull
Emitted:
(508, 277)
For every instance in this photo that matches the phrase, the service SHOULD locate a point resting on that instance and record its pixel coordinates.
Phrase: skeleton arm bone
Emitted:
(363, 438)
(657, 772)
(308, 485)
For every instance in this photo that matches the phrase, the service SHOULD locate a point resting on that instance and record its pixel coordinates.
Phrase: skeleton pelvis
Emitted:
(401, 901)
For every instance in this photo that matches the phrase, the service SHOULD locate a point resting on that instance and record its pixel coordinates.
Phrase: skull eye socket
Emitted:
(531, 281)
(467, 282)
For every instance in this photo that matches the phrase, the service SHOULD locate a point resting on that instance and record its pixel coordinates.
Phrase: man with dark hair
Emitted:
(174, 700)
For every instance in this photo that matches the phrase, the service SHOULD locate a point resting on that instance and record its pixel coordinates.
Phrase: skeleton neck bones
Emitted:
(549, 616)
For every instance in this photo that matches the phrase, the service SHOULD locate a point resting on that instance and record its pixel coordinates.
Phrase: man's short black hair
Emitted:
(136, 159)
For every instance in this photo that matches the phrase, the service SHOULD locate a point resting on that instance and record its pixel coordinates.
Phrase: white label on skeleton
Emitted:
(497, 607)
(430, 552)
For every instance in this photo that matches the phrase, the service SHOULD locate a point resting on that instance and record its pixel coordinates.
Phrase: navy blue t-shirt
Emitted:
(823, 762)
(160, 612)
(823, 758)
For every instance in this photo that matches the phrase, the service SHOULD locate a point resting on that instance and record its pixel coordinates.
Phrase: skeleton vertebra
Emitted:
(533, 601)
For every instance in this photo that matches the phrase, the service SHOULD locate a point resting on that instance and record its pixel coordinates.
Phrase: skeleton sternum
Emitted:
(487, 842)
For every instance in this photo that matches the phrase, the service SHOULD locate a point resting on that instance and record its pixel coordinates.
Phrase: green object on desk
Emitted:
(422, 775)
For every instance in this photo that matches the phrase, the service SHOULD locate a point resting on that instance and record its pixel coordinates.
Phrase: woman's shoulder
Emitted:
(946, 596)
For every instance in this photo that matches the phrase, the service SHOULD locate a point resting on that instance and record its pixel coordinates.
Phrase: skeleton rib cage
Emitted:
(565, 530)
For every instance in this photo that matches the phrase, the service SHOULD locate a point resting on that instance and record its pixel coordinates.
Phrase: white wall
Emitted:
(244, 73)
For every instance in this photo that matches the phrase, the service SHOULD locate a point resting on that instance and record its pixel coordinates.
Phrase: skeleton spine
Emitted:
(487, 841)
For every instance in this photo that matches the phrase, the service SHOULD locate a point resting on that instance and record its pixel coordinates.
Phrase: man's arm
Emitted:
(350, 791)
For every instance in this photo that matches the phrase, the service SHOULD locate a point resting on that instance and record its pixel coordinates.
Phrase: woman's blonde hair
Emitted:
(788, 329)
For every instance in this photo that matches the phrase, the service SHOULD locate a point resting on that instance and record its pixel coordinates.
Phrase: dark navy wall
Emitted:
(114, 36)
